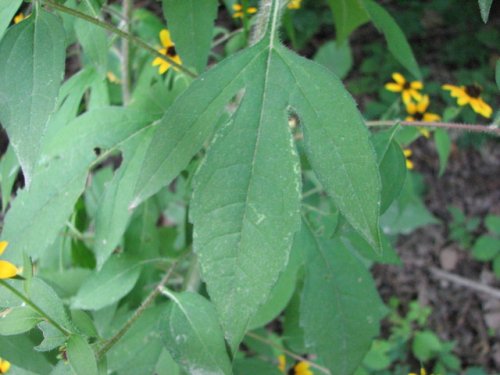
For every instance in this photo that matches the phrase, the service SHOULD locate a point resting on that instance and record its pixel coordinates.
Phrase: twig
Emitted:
(324, 370)
(140, 310)
(474, 285)
(130, 37)
(492, 129)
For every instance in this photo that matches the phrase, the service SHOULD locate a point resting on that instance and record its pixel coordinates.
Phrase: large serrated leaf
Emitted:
(245, 206)
(341, 331)
(191, 24)
(32, 56)
(193, 336)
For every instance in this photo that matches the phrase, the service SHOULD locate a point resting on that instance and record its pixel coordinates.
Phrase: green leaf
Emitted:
(391, 164)
(8, 10)
(484, 7)
(18, 320)
(337, 144)
(52, 337)
(81, 357)
(254, 366)
(341, 331)
(492, 222)
(114, 213)
(94, 42)
(336, 57)
(191, 24)
(395, 38)
(486, 248)
(426, 345)
(348, 16)
(37, 215)
(20, 352)
(9, 168)
(137, 352)
(193, 336)
(32, 56)
(109, 285)
(443, 146)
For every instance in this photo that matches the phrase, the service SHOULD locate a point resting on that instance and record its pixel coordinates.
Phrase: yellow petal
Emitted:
(431, 117)
(238, 15)
(424, 131)
(4, 366)
(463, 100)
(7, 270)
(394, 87)
(409, 164)
(406, 97)
(157, 61)
(449, 87)
(282, 363)
(411, 108)
(415, 94)
(165, 38)
(423, 104)
(237, 7)
(422, 371)
(479, 106)
(417, 85)
(398, 77)
(18, 18)
(407, 152)
(409, 118)
(252, 10)
(164, 67)
(302, 368)
(3, 246)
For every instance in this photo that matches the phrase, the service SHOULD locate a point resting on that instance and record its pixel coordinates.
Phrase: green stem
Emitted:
(140, 310)
(111, 28)
(34, 307)
(125, 55)
(491, 129)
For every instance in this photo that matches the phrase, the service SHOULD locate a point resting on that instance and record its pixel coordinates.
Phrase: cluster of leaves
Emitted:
(409, 337)
(158, 233)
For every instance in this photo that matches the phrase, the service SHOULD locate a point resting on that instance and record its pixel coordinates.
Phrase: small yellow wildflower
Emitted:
(19, 17)
(168, 50)
(300, 368)
(7, 269)
(4, 366)
(422, 372)
(470, 94)
(409, 164)
(418, 112)
(407, 89)
(294, 4)
(238, 10)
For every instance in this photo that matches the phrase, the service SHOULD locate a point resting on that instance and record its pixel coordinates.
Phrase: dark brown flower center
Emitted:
(419, 116)
(406, 86)
(474, 91)
(171, 51)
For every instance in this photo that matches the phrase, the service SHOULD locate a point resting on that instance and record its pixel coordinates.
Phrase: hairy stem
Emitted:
(111, 28)
(324, 370)
(35, 307)
(140, 310)
(491, 129)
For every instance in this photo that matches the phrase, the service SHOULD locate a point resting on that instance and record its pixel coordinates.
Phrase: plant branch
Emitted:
(491, 129)
(140, 310)
(111, 28)
(474, 285)
(324, 370)
(35, 307)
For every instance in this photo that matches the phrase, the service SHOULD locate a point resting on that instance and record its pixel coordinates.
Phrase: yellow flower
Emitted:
(294, 4)
(409, 165)
(471, 95)
(4, 366)
(7, 269)
(407, 89)
(302, 368)
(282, 363)
(168, 50)
(418, 112)
(19, 17)
(422, 372)
(238, 10)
